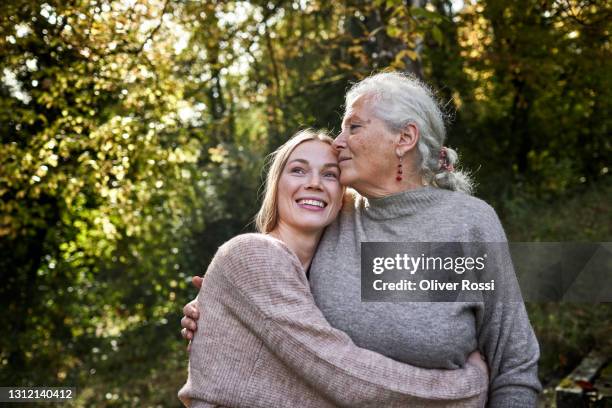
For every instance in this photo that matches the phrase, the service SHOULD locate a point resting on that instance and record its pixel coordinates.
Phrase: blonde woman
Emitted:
(264, 342)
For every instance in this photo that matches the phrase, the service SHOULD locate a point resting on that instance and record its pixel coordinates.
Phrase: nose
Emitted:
(340, 142)
(314, 182)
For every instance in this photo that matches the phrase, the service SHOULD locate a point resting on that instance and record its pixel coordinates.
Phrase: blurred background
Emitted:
(133, 135)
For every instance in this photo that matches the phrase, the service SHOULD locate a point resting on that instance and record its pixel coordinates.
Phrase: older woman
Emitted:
(391, 150)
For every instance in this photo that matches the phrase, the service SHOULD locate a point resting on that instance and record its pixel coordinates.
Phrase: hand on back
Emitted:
(191, 314)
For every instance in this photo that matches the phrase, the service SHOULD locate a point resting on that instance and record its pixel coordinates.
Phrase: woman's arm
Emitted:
(505, 334)
(265, 276)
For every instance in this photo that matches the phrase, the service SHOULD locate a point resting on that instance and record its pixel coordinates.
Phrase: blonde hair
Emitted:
(267, 216)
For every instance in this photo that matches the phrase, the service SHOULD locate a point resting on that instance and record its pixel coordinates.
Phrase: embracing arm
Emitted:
(505, 335)
(267, 278)
(512, 352)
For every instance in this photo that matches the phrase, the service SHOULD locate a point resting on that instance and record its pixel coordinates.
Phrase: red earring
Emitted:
(399, 170)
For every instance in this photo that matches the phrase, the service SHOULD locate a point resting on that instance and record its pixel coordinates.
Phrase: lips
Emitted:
(311, 202)
(342, 159)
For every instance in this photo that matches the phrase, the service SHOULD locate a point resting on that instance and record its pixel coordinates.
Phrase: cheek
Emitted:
(336, 193)
(286, 187)
(368, 162)
(284, 197)
(358, 145)
(359, 153)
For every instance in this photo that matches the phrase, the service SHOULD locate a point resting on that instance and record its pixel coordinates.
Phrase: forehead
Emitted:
(359, 109)
(313, 151)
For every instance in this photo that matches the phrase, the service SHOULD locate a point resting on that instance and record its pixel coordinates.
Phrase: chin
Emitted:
(314, 225)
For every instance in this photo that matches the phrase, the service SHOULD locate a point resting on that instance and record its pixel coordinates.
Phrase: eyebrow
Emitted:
(355, 117)
(306, 162)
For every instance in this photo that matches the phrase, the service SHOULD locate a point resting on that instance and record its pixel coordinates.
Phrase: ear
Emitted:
(408, 139)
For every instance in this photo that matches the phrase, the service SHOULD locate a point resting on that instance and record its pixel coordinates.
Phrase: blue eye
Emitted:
(297, 170)
(330, 175)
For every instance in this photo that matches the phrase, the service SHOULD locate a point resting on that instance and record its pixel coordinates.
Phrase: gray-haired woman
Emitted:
(391, 150)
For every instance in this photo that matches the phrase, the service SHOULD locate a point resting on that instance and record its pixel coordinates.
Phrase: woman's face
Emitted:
(366, 149)
(309, 190)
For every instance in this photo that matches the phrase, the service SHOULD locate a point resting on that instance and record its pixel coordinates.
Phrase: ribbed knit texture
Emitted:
(262, 342)
(434, 335)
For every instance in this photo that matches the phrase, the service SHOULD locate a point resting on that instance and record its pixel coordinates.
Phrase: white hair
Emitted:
(400, 99)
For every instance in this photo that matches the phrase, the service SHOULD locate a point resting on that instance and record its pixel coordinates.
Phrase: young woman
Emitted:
(264, 343)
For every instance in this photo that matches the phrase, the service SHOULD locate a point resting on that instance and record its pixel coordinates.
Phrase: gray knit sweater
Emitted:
(432, 335)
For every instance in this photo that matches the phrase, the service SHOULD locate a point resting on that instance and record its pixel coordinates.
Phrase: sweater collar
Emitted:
(401, 204)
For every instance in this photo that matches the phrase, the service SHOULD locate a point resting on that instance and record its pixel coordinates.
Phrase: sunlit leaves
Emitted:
(96, 172)
(133, 134)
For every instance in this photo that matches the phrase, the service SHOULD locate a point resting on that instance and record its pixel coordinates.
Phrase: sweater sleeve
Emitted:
(268, 278)
(506, 337)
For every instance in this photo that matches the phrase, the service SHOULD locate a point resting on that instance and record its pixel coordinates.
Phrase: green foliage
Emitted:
(536, 110)
(108, 167)
(133, 134)
(566, 332)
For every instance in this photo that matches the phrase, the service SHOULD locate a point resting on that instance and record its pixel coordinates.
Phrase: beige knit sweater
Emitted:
(262, 342)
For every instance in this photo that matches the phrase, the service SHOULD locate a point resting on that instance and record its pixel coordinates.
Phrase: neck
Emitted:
(302, 243)
(410, 181)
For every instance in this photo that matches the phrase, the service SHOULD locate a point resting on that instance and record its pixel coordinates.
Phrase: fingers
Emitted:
(191, 311)
(477, 359)
(187, 335)
(189, 324)
(196, 281)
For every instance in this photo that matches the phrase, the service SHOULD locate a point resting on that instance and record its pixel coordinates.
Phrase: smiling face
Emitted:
(366, 149)
(309, 190)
